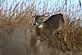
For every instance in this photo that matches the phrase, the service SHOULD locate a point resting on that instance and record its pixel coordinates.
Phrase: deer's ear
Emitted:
(43, 15)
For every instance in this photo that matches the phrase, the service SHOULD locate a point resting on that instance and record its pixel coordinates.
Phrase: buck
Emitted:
(49, 27)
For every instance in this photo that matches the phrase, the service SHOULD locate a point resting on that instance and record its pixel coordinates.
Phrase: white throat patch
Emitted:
(41, 26)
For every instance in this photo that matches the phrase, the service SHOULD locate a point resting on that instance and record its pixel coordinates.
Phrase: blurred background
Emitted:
(69, 7)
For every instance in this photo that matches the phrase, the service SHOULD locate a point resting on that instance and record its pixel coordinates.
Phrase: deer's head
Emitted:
(39, 21)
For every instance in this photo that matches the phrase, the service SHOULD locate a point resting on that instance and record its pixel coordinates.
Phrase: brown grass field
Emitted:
(18, 37)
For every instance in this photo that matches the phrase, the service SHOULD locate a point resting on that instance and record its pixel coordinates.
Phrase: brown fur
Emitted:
(51, 25)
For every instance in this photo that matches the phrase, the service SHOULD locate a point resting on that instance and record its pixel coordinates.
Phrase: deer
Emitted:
(50, 26)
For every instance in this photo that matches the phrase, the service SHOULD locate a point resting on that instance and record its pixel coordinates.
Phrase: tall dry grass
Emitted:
(20, 25)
